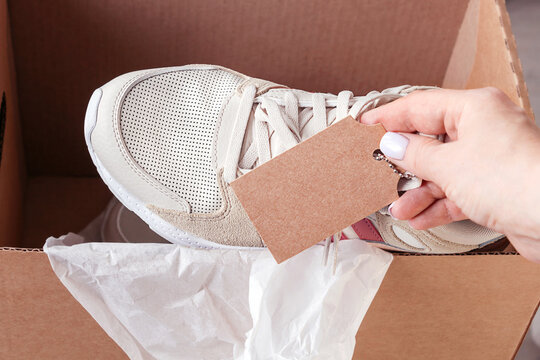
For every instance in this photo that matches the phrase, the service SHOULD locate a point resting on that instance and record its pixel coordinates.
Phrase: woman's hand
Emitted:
(488, 168)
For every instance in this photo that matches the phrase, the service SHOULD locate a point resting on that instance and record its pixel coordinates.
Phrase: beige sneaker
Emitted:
(169, 141)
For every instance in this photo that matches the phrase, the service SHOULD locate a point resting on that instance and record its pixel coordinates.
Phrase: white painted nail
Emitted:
(390, 210)
(393, 145)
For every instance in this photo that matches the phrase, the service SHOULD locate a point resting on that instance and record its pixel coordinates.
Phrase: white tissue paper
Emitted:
(165, 301)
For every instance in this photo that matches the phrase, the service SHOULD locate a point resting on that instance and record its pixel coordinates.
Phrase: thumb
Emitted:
(415, 153)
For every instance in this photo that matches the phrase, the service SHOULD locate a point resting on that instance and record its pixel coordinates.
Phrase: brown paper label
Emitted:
(317, 188)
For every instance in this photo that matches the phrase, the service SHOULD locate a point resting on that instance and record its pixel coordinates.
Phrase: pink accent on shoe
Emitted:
(366, 231)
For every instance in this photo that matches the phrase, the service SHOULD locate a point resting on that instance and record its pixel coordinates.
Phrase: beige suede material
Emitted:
(228, 226)
(432, 243)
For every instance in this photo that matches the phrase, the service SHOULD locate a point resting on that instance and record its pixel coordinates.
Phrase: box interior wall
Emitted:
(62, 53)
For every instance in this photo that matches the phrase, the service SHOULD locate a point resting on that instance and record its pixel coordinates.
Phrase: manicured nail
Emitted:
(393, 145)
(390, 210)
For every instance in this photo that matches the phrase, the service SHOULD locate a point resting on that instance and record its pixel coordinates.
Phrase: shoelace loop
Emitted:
(285, 117)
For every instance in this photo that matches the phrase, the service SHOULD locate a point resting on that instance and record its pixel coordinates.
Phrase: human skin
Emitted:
(487, 169)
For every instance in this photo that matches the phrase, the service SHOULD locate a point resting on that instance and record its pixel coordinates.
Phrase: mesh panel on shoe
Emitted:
(168, 123)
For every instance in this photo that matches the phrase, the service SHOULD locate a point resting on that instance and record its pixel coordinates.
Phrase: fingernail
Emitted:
(394, 145)
(390, 210)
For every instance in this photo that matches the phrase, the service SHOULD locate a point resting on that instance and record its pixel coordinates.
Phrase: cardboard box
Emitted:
(475, 306)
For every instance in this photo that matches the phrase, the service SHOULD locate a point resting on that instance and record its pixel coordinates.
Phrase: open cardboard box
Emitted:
(475, 306)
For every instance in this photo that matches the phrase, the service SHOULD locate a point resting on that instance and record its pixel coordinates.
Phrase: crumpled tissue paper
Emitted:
(165, 301)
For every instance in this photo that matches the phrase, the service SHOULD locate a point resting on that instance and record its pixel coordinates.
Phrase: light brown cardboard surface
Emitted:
(12, 170)
(450, 307)
(39, 319)
(317, 188)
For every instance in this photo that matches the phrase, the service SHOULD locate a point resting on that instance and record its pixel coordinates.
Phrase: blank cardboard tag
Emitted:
(317, 188)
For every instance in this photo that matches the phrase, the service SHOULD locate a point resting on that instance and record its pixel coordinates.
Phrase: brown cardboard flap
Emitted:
(428, 307)
(40, 319)
(451, 307)
(317, 188)
(485, 53)
(493, 60)
(464, 52)
(12, 170)
(493, 64)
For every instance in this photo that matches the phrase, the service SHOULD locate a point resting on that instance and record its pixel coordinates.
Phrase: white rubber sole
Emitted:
(154, 221)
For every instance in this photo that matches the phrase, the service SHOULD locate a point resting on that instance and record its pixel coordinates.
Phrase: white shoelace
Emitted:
(283, 118)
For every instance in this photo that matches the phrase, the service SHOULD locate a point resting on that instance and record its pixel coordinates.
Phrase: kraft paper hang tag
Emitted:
(317, 188)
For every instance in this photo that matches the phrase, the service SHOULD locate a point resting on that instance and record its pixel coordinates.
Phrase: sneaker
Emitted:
(169, 141)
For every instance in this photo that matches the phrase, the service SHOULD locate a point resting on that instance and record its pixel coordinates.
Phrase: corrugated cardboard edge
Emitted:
(491, 60)
(515, 62)
(496, 62)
